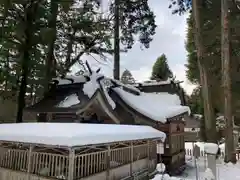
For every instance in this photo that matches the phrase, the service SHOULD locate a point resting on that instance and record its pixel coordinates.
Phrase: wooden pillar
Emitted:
(108, 159)
(211, 161)
(71, 164)
(29, 161)
(131, 156)
(148, 156)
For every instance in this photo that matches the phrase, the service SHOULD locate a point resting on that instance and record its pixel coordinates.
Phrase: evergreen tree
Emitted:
(199, 20)
(213, 51)
(161, 70)
(127, 77)
(211, 41)
(59, 32)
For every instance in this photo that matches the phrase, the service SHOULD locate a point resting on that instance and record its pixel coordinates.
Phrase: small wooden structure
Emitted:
(94, 98)
(46, 151)
(174, 148)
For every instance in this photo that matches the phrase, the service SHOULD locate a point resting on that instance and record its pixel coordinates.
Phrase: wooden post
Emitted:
(71, 164)
(131, 155)
(149, 157)
(29, 161)
(211, 159)
(108, 159)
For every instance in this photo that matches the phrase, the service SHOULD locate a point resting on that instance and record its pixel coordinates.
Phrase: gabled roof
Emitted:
(71, 96)
(61, 98)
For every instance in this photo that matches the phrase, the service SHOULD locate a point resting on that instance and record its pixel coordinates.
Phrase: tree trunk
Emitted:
(210, 122)
(23, 88)
(30, 11)
(227, 91)
(50, 61)
(116, 71)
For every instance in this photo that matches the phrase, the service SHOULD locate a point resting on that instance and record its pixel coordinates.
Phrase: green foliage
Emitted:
(80, 29)
(161, 70)
(137, 20)
(195, 101)
(211, 37)
(127, 77)
(192, 70)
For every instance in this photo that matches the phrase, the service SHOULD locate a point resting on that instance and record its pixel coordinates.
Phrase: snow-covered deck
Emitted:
(75, 134)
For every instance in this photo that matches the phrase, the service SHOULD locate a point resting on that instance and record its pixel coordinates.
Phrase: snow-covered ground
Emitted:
(224, 171)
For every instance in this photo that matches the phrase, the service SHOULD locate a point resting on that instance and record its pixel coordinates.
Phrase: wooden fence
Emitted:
(189, 152)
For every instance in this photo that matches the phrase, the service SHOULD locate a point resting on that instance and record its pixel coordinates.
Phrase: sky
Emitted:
(169, 39)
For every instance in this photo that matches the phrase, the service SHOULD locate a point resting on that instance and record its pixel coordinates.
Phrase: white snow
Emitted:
(75, 134)
(188, 145)
(165, 177)
(109, 99)
(76, 79)
(94, 84)
(161, 167)
(90, 87)
(154, 82)
(211, 148)
(132, 87)
(69, 101)
(221, 118)
(227, 171)
(157, 106)
(198, 116)
(208, 174)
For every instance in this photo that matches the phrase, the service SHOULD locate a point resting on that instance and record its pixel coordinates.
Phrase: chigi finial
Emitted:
(89, 68)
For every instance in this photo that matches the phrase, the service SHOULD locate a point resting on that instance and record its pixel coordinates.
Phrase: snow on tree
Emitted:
(127, 77)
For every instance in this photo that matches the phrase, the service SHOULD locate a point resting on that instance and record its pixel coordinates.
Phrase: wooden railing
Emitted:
(120, 157)
(45, 164)
(49, 165)
(140, 152)
(92, 163)
(14, 159)
(88, 164)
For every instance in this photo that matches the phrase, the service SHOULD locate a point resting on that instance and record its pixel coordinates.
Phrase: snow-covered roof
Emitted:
(156, 83)
(75, 134)
(97, 82)
(157, 106)
(69, 101)
(69, 79)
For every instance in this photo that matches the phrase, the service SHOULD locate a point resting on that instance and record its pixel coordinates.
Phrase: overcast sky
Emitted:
(169, 39)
